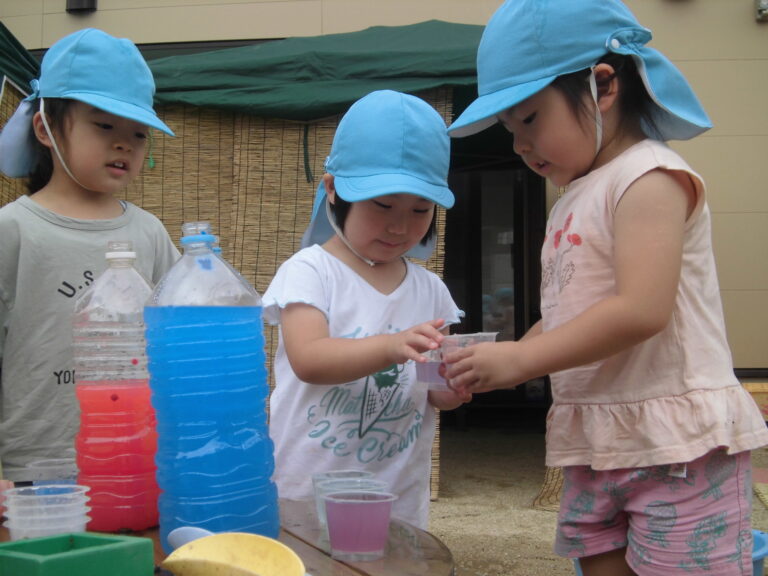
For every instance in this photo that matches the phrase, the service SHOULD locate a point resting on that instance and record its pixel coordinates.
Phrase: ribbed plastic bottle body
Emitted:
(117, 440)
(205, 345)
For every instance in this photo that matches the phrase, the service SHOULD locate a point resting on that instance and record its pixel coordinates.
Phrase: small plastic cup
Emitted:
(321, 477)
(52, 471)
(358, 524)
(21, 529)
(35, 511)
(342, 485)
(454, 341)
(427, 372)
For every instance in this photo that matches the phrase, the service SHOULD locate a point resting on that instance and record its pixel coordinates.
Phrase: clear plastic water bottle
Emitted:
(205, 343)
(116, 442)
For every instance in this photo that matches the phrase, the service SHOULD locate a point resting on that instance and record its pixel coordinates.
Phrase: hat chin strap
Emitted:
(598, 116)
(340, 234)
(55, 147)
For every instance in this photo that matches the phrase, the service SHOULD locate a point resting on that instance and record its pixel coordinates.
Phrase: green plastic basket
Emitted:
(80, 554)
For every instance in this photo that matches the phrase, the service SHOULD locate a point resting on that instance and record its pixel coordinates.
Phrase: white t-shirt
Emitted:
(382, 423)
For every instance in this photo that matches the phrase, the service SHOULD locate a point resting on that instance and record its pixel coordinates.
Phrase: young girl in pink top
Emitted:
(649, 423)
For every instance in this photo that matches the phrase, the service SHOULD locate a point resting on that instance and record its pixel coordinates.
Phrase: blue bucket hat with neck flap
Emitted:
(529, 43)
(387, 143)
(89, 66)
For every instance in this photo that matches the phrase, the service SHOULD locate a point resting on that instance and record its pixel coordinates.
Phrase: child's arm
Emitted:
(649, 226)
(317, 358)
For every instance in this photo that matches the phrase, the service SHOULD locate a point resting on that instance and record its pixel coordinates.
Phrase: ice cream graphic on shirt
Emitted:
(380, 388)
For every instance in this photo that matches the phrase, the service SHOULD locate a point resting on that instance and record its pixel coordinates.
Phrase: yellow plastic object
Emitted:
(234, 554)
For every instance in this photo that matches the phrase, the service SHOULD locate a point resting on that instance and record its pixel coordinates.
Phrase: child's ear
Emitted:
(330, 188)
(607, 85)
(39, 129)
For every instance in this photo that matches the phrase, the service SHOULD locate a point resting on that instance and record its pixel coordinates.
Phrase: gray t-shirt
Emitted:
(46, 262)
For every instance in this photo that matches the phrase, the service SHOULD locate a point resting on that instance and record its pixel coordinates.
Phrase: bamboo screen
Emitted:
(253, 178)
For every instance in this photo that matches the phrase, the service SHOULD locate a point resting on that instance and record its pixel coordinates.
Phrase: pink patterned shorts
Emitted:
(674, 519)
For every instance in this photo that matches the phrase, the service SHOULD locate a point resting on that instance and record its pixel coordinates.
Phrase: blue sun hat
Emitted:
(529, 43)
(387, 143)
(89, 66)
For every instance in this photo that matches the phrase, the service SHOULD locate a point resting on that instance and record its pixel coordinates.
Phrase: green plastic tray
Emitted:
(78, 554)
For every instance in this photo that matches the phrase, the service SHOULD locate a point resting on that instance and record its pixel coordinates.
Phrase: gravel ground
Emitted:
(489, 479)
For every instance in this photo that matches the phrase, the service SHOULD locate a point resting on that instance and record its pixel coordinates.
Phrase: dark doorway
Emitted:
(493, 243)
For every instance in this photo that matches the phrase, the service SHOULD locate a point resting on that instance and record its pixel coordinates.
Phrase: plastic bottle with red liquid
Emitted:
(116, 442)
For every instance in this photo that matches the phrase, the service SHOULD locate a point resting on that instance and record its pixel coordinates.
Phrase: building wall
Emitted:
(718, 45)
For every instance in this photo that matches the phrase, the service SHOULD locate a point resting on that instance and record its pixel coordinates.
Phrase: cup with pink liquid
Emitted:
(427, 372)
(358, 524)
(320, 478)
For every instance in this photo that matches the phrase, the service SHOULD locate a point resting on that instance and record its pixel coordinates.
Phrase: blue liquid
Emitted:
(209, 390)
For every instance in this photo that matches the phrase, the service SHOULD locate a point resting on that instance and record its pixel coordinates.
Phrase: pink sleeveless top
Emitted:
(670, 399)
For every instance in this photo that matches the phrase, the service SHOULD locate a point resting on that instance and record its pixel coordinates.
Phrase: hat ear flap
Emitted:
(18, 156)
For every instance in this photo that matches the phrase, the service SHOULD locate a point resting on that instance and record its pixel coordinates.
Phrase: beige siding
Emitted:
(717, 44)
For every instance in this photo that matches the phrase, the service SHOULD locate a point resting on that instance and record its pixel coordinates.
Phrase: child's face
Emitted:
(383, 229)
(105, 152)
(550, 137)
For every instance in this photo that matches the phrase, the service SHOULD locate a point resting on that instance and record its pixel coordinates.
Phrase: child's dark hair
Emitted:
(634, 100)
(340, 210)
(56, 110)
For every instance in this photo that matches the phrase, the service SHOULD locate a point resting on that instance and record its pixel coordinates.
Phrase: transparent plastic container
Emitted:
(116, 442)
(205, 344)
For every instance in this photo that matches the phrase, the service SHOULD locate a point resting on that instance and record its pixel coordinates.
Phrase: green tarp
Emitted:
(314, 77)
(15, 61)
(301, 78)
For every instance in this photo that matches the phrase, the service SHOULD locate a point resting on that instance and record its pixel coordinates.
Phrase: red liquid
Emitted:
(116, 447)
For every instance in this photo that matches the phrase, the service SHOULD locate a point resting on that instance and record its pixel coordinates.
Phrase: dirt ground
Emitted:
(489, 480)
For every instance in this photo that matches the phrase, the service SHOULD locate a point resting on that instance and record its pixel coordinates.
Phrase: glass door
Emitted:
(492, 267)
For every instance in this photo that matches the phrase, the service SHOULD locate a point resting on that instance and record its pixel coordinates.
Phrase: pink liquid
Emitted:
(358, 524)
(427, 372)
(116, 447)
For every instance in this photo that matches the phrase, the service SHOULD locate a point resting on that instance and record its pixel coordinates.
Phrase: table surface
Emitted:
(410, 551)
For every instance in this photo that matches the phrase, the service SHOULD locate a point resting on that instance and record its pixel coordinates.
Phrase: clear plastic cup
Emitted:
(20, 529)
(52, 471)
(321, 477)
(358, 524)
(454, 341)
(427, 372)
(344, 484)
(46, 510)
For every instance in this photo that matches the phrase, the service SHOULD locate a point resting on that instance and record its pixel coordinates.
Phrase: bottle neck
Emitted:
(121, 262)
(197, 248)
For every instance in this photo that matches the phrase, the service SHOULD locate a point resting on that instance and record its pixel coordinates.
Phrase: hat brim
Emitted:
(320, 229)
(482, 113)
(357, 188)
(122, 109)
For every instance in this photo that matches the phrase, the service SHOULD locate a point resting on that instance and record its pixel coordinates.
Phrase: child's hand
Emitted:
(448, 399)
(4, 485)
(483, 367)
(412, 343)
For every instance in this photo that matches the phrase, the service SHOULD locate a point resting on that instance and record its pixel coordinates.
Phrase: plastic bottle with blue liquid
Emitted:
(205, 344)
